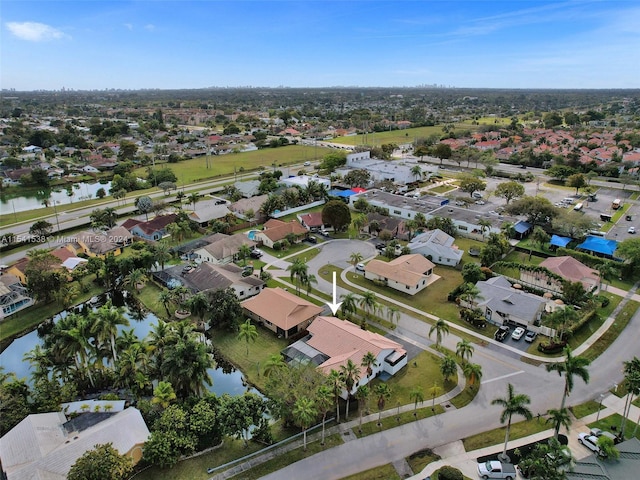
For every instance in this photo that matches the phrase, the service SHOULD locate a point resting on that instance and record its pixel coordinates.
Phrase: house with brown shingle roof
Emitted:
(407, 273)
(94, 244)
(153, 229)
(280, 311)
(276, 230)
(568, 268)
(313, 220)
(223, 248)
(209, 277)
(332, 342)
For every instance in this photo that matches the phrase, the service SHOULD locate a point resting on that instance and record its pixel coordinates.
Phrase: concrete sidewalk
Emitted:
(455, 455)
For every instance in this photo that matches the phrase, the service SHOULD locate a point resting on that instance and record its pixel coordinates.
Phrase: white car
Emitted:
(518, 333)
(360, 267)
(631, 230)
(480, 202)
(589, 441)
(307, 164)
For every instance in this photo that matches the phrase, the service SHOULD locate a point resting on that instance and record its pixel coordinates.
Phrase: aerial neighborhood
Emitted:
(189, 278)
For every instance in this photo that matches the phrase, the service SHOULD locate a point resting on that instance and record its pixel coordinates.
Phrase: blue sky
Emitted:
(194, 44)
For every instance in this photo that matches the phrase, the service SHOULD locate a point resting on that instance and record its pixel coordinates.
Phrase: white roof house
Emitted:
(303, 181)
(438, 246)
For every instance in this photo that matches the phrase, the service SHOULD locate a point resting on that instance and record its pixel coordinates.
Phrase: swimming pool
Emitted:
(252, 234)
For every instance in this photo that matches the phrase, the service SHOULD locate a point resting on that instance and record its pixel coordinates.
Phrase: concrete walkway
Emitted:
(454, 454)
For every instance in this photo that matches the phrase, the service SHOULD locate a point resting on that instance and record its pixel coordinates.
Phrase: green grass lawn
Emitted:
(385, 472)
(418, 460)
(496, 436)
(612, 424)
(442, 189)
(615, 330)
(234, 350)
(584, 409)
(393, 421)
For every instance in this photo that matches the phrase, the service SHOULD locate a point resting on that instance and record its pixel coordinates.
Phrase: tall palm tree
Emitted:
(369, 361)
(162, 253)
(448, 367)
(631, 372)
(441, 328)
(309, 281)
(349, 304)
(193, 199)
(355, 258)
(40, 362)
(382, 391)
(136, 279)
(464, 350)
(484, 224)
(244, 252)
(105, 322)
(369, 303)
(336, 384)
(298, 271)
(304, 412)
(417, 172)
(513, 404)
(393, 314)
(163, 394)
(350, 375)
(324, 402)
(559, 418)
(570, 367)
(362, 394)
(248, 332)
(417, 395)
(358, 222)
(166, 298)
(472, 372)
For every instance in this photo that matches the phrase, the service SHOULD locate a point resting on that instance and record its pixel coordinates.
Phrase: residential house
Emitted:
(210, 277)
(312, 221)
(502, 304)
(407, 273)
(19, 270)
(626, 466)
(222, 248)
(275, 230)
(248, 189)
(208, 210)
(254, 204)
(437, 246)
(280, 311)
(153, 229)
(46, 445)
(14, 296)
(332, 342)
(568, 268)
(94, 244)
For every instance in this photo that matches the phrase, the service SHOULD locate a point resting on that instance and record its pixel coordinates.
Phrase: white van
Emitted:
(578, 207)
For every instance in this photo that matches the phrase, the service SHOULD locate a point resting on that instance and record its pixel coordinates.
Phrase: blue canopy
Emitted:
(341, 193)
(558, 241)
(522, 227)
(599, 245)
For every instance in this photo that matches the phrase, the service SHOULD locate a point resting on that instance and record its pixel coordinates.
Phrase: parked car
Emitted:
(596, 432)
(589, 441)
(187, 268)
(255, 253)
(530, 336)
(501, 333)
(518, 333)
(480, 202)
(360, 267)
(307, 164)
(496, 469)
(631, 230)
(220, 202)
(312, 239)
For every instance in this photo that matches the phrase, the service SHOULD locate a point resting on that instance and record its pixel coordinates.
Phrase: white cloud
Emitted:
(35, 32)
(150, 27)
(128, 26)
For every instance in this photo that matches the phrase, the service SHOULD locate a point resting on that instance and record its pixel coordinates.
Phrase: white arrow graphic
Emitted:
(335, 305)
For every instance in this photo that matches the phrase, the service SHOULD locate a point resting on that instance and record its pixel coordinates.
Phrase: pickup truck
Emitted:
(496, 469)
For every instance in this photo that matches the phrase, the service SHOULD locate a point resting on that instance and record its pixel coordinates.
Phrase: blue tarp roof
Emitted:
(558, 241)
(341, 193)
(522, 227)
(599, 245)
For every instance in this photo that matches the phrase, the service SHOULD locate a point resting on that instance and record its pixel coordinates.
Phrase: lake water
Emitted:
(81, 191)
(226, 379)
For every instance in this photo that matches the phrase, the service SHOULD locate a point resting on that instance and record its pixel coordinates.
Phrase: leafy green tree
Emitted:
(103, 462)
(540, 237)
(472, 273)
(509, 191)
(471, 184)
(248, 332)
(41, 230)
(629, 250)
(144, 205)
(304, 412)
(337, 214)
(170, 438)
(538, 210)
(163, 394)
(545, 461)
(608, 448)
(227, 312)
(441, 328)
(441, 151)
(577, 181)
(512, 404)
(357, 178)
(239, 413)
(560, 172)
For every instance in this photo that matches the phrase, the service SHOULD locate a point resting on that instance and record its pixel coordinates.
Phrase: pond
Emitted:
(58, 196)
(225, 378)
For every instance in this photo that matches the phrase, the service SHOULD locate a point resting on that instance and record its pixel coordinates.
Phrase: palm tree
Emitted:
(336, 384)
(349, 304)
(40, 362)
(163, 394)
(193, 199)
(448, 367)
(464, 350)
(362, 394)
(358, 222)
(248, 332)
(369, 361)
(441, 328)
(273, 364)
(513, 404)
(393, 314)
(383, 392)
(324, 401)
(244, 252)
(417, 395)
(484, 224)
(308, 281)
(166, 298)
(136, 279)
(162, 253)
(570, 367)
(199, 305)
(304, 413)
(355, 258)
(105, 323)
(472, 372)
(350, 375)
(631, 372)
(559, 418)
(110, 216)
(298, 271)
(369, 303)
(417, 172)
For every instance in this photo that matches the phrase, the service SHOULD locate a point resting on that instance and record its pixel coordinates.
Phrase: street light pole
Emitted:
(600, 406)
(55, 209)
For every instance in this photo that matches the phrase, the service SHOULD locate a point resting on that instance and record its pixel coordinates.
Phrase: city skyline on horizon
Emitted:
(168, 45)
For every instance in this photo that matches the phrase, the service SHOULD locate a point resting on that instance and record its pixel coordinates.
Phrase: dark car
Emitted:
(221, 202)
(501, 333)
(255, 254)
(313, 240)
